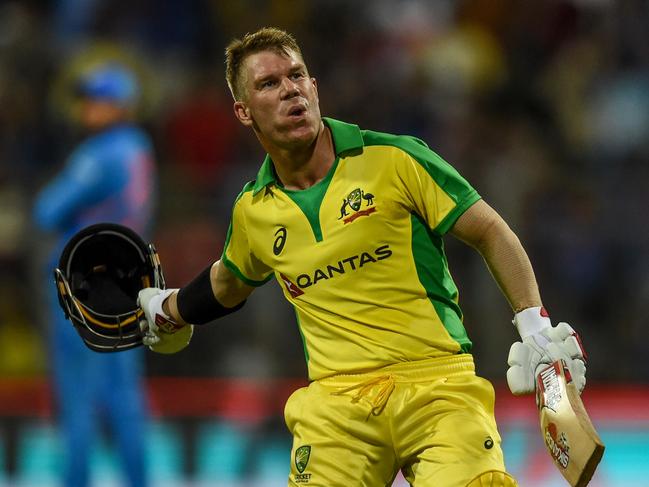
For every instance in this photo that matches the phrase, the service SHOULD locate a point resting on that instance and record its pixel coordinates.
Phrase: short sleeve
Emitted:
(238, 255)
(434, 189)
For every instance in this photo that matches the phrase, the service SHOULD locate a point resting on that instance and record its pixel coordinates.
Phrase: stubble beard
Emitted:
(285, 138)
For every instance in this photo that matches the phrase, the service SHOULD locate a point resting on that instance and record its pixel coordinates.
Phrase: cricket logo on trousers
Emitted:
(354, 200)
(302, 455)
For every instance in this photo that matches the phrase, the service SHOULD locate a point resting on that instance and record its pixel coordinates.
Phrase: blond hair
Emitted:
(265, 39)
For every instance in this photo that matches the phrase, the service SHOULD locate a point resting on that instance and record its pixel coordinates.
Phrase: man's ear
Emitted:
(314, 82)
(242, 112)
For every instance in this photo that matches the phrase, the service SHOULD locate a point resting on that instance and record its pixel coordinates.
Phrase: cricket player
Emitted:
(109, 177)
(351, 224)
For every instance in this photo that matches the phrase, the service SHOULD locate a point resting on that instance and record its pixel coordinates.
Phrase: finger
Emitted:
(145, 295)
(560, 332)
(581, 385)
(150, 340)
(520, 380)
(519, 354)
(578, 373)
(578, 367)
(144, 326)
(563, 351)
(579, 382)
(573, 347)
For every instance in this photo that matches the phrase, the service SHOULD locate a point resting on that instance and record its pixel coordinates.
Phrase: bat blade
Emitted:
(569, 435)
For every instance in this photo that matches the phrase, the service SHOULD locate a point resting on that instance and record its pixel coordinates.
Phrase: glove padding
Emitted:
(159, 332)
(526, 358)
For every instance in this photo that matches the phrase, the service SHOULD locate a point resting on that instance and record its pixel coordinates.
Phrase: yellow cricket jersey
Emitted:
(359, 254)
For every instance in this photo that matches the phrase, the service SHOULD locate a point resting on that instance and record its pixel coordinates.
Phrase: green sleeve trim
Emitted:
(449, 220)
(227, 262)
(235, 270)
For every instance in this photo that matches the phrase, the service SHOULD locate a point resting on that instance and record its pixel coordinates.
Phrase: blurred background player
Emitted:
(109, 177)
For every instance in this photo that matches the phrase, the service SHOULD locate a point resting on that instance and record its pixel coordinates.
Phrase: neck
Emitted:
(302, 168)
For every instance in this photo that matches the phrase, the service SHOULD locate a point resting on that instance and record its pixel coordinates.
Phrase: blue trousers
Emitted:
(92, 387)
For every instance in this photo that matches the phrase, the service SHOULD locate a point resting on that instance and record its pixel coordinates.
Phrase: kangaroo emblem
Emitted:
(354, 200)
(343, 209)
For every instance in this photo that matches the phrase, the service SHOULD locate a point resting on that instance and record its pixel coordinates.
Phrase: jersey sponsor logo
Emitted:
(354, 201)
(293, 290)
(343, 266)
(280, 240)
(302, 455)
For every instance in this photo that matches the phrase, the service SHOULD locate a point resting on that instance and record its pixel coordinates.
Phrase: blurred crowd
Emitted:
(542, 106)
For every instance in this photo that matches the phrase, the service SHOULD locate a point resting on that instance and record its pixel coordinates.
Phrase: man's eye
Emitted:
(268, 84)
(297, 75)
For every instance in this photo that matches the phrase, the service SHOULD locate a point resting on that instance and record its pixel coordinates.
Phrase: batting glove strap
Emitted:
(159, 332)
(531, 321)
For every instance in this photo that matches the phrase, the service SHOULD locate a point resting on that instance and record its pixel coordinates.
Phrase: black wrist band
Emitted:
(198, 305)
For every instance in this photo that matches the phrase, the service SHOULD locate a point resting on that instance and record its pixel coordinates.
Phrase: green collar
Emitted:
(346, 137)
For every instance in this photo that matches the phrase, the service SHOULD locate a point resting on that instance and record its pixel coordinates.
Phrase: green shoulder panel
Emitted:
(445, 175)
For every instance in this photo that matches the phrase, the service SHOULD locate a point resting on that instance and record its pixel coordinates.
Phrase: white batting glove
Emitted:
(159, 332)
(543, 344)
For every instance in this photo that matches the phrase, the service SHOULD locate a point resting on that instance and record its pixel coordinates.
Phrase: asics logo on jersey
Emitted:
(278, 244)
(354, 200)
(343, 266)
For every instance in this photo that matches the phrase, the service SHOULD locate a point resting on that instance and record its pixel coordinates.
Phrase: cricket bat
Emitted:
(568, 434)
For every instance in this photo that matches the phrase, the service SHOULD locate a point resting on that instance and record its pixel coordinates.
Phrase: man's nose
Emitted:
(289, 88)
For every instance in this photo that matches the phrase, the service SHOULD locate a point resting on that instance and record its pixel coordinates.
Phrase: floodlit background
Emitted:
(543, 106)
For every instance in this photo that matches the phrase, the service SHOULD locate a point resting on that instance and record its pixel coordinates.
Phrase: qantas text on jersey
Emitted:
(352, 263)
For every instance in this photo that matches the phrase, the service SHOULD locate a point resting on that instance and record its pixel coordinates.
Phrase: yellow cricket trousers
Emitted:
(432, 419)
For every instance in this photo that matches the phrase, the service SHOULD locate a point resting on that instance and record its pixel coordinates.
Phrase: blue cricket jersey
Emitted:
(110, 177)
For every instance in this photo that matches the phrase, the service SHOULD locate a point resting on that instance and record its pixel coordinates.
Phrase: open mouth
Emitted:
(297, 111)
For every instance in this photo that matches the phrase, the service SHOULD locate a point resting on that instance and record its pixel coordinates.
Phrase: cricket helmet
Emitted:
(101, 270)
(110, 81)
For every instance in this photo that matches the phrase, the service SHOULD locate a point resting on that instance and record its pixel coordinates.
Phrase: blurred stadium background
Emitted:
(543, 106)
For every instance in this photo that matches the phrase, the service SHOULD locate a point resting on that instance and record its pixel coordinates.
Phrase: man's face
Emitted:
(98, 114)
(280, 100)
